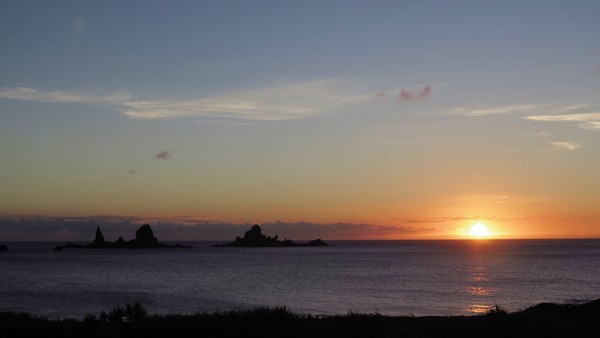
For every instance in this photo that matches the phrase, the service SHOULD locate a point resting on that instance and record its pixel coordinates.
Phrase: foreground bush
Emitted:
(132, 320)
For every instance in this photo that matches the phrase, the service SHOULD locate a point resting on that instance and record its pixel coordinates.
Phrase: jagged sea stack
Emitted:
(99, 240)
(144, 238)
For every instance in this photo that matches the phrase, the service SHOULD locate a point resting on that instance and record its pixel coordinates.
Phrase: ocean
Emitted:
(457, 277)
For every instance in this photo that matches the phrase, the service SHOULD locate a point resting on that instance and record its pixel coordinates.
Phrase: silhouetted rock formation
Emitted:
(121, 242)
(317, 242)
(3, 248)
(144, 239)
(254, 234)
(99, 240)
(255, 238)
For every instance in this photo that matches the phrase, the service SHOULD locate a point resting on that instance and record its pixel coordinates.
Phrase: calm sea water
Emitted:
(391, 277)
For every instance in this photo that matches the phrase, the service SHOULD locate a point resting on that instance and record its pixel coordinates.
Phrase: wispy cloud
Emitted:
(283, 102)
(592, 125)
(512, 109)
(589, 121)
(548, 112)
(380, 94)
(227, 108)
(566, 118)
(406, 95)
(565, 145)
(271, 103)
(163, 155)
(530, 108)
(29, 94)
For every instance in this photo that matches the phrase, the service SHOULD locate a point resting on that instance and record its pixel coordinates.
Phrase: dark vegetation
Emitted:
(255, 238)
(3, 247)
(144, 239)
(544, 320)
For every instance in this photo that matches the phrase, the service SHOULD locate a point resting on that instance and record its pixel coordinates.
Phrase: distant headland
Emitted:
(255, 238)
(144, 239)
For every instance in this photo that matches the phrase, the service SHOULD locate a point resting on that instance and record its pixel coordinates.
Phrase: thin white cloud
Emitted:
(589, 121)
(566, 117)
(592, 125)
(291, 101)
(496, 110)
(548, 112)
(565, 146)
(231, 108)
(29, 94)
(553, 108)
(529, 108)
(270, 103)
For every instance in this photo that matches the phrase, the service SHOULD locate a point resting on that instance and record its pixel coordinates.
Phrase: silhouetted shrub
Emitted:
(129, 313)
(135, 312)
(114, 315)
(132, 320)
(496, 311)
(90, 322)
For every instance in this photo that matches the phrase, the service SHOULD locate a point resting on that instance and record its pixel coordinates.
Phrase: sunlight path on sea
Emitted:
(390, 277)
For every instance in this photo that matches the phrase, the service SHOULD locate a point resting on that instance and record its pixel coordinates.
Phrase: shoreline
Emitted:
(132, 320)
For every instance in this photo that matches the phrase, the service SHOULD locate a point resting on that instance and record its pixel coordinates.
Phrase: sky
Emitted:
(332, 119)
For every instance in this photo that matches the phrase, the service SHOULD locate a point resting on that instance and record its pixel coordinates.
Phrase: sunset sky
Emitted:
(333, 119)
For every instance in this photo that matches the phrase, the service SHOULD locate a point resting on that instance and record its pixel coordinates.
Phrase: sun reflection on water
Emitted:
(478, 287)
(478, 291)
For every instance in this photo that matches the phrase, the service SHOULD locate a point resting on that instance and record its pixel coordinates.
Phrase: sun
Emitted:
(479, 230)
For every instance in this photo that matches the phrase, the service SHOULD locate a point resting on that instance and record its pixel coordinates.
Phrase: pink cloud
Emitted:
(596, 70)
(163, 155)
(406, 95)
(380, 94)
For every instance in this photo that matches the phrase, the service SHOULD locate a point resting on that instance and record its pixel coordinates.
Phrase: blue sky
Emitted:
(384, 112)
